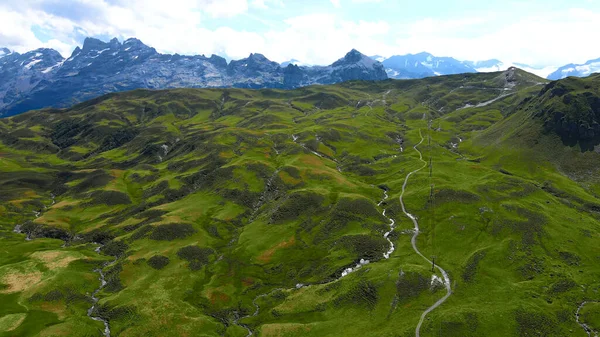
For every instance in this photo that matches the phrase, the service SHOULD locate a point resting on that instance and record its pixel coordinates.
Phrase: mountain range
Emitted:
(421, 65)
(43, 78)
(577, 70)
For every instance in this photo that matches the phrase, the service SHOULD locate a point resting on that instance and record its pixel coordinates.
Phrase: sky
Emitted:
(538, 33)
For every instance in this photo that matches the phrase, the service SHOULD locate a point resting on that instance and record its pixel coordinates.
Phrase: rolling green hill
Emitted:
(230, 212)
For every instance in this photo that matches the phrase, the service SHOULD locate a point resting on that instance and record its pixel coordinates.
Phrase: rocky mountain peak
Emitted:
(354, 56)
(423, 54)
(45, 52)
(93, 44)
(134, 43)
(218, 61)
(258, 57)
(4, 52)
(75, 52)
(253, 64)
(101, 67)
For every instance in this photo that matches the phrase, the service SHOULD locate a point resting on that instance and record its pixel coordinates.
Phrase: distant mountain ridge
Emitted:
(577, 70)
(423, 65)
(415, 66)
(43, 78)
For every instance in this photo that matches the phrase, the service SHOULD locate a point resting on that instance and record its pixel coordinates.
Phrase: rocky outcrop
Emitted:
(570, 108)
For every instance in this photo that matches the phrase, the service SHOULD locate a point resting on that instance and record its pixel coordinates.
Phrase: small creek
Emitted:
(95, 299)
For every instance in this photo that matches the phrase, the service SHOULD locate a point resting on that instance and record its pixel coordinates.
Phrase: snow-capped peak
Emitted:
(378, 58)
(295, 62)
(496, 65)
(580, 70)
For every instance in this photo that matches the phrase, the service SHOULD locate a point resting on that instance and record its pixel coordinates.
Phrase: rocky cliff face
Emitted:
(353, 66)
(571, 109)
(42, 78)
(20, 74)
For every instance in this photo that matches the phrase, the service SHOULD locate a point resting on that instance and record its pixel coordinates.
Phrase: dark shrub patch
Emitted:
(297, 204)
(531, 230)
(410, 285)
(292, 171)
(361, 207)
(141, 232)
(466, 328)
(448, 195)
(110, 198)
(113, 281)
(365, 246)
(110, 313)
(471, 268)
(533, 266)
(93, 180)
(569, 258)
(363, 294)
(242, 197)
(361, 170)
(98, 237)
(34, 230)
(535, 324)
(156, 189)
(115, 248)
(158, 262)
(196, 256)
(152, 213)
(563, 285)
(117, 138)
(54, 295)
(173, 231)
(348, 210)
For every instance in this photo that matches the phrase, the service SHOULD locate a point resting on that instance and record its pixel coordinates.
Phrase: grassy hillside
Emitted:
(224, 212)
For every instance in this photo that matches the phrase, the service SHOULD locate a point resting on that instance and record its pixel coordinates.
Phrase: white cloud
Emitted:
(265, 4)
(318, 38)
(543, 38)
(225, 8)
(336, 3)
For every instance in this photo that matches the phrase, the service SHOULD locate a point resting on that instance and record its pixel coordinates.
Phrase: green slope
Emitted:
(227, 211)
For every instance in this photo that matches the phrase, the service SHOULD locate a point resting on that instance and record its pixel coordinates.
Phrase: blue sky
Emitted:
(540, 33)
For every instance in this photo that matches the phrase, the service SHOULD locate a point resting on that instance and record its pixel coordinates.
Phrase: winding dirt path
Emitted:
(446, 278)
(413, 241)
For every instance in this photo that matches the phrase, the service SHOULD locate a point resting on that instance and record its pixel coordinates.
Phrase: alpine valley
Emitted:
(457, 205)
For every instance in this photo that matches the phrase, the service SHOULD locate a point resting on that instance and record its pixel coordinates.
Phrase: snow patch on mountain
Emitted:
(579, 70)
(99, 67)
(295, 62)
(378, 58)
(32, 63)
(496, 65)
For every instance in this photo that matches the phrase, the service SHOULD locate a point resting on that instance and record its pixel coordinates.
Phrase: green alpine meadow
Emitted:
(455, 206)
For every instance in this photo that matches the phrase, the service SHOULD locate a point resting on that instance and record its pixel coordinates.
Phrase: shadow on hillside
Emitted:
(585, 145)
